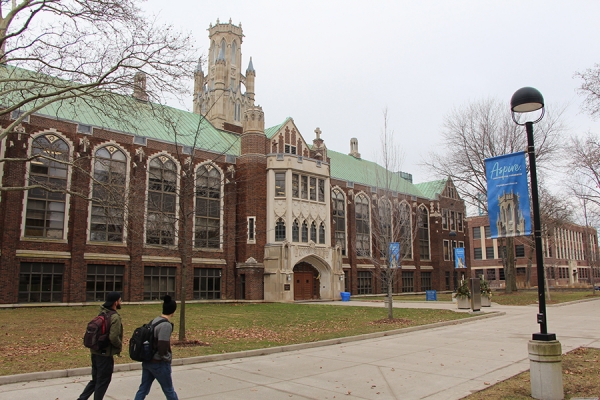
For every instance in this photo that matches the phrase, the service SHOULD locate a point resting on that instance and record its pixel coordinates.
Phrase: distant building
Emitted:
(570, 254)
(274, 215)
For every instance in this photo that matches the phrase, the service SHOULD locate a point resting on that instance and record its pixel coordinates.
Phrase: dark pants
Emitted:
(102, 369)
(160, 371)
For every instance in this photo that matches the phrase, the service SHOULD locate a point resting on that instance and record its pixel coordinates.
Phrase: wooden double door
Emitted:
(306, 282)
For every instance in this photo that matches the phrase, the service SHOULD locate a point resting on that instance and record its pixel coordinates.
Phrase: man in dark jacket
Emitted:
(102, 360)
(160, 366)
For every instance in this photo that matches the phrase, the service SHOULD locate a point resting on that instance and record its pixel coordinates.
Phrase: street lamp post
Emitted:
(544, 350)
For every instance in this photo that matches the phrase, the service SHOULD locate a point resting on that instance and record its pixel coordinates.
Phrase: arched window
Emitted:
(208, 207)
(162, 200)
(313, 232)
(45, 213)
(404, 219)
(363, 226)
(222, 50)
(304, 232)
(295, 231)
(234, 52)
(215, 52)
(338, 203)
(322, 233)
(423, 224)
(108, 195)
(384, 226)
(280, 230)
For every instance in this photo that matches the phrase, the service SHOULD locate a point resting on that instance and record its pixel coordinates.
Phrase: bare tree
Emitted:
(392, 220)
(59, 54)
(484, 129)
(590, 88)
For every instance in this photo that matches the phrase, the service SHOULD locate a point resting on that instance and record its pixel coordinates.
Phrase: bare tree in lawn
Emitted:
(482, 129)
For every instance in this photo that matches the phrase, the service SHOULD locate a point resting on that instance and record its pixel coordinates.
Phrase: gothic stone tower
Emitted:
(220, 95)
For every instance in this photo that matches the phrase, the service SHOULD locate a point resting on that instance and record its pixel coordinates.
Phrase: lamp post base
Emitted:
(545, 367)
(544, 337)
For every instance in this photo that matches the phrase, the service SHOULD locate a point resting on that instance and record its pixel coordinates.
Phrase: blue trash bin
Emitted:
(345, 296)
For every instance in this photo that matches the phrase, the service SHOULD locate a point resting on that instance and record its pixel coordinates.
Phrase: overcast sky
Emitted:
(337, 64)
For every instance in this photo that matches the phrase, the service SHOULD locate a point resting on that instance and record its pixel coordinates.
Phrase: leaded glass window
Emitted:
(208, 207)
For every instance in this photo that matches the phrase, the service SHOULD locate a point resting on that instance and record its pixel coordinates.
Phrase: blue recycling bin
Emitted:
(431, 295)
(345, 296)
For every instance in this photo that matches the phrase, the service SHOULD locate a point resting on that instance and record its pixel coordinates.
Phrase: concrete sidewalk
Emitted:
(446, 362)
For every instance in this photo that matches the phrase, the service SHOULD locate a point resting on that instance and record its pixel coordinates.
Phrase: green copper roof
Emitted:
(126, 114)
(270, 132)
(349, 168)
(432, 189)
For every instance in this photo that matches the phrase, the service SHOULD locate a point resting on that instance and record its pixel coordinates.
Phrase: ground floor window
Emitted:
(346, 281)
(40, 282)
(408, 281)
(425, 281)
(207, 283)
(447, 274)
(365, 283)
(563, 273)
(502, 274)
(490, 274)
(102, 279)
(158, 282)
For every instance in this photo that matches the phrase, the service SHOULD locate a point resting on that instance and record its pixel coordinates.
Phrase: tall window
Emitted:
(476, 232)
(322, 233)
(385, 226)
(207, 283)
(295, 186)
(321, 190)
(108, 204)
(365, 283)
(408, 281)
(280, 230)
(313, 188)
(208, 207)
(425, 281)
(40, 282)
(102, 279)
(279, 184)
(233, 52)
(158, 282)
(304, 187)
(45, 214)
(405, 231)
(162, 185)
(304, 232)
(338, 203)
(295, 231)
(363, 227)
(423, 221)
(313, 232)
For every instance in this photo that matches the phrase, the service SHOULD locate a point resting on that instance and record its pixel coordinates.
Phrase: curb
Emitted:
(66, 373)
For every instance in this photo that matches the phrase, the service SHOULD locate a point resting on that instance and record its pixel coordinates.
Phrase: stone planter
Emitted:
(486, 301)
(463, 302)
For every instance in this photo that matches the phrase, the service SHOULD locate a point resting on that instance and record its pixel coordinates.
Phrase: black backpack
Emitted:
(97, 333)
(141, 345)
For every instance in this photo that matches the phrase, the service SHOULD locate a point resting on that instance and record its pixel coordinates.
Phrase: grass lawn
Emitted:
(519, 298)
(50, 338)
(581, 379)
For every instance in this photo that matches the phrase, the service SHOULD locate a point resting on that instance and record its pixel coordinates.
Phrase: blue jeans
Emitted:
(160, 371)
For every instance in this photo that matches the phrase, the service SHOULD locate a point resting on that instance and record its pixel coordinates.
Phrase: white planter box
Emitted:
(486, 301)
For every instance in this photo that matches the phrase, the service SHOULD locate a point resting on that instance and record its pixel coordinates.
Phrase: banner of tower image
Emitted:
(508, 195)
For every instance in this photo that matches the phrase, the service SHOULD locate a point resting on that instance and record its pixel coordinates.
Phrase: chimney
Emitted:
(139, 86)
(354, 148)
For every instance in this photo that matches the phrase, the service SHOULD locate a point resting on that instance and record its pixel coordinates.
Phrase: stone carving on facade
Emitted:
(303, 251)
(251, 260)
(139, 152)
(231, 171)
(280, 208)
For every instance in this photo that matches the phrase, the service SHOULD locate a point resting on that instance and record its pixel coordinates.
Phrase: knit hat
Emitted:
(111, 298)
(169, 305)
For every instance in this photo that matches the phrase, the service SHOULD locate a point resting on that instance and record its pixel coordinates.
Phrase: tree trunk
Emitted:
(510, 275)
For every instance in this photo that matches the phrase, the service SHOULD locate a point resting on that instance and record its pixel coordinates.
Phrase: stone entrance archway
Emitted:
(306, 282)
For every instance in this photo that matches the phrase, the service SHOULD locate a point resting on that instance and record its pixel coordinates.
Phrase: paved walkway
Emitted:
(446, 362)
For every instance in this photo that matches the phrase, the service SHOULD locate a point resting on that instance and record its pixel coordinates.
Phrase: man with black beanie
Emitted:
(159, 367)
(102, 360)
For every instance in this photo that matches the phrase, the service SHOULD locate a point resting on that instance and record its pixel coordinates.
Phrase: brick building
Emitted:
(131, 203)
(570, 255)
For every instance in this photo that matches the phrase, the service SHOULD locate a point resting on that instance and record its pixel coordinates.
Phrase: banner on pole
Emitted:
(459, 258)
(508, 196)
(394, 252)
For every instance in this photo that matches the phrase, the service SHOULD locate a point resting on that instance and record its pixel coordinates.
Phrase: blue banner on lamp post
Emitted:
(459, 258)
(508, 196)
(394, 252)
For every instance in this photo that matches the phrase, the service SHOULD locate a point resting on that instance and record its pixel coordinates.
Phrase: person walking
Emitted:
(159, 367)
(102, 360)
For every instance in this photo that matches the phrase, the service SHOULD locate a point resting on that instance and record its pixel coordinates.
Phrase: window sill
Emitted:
(209, 249)
(111, 244)
(43, 240)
